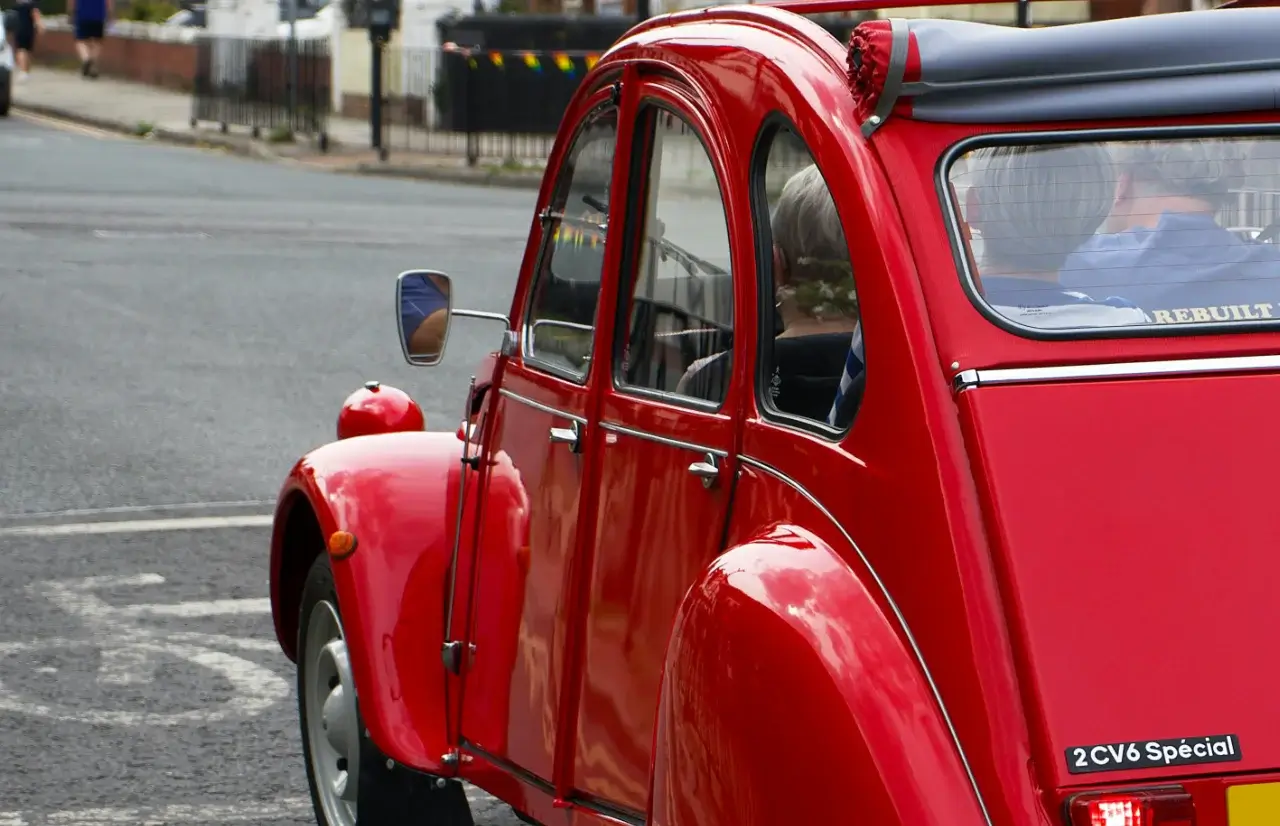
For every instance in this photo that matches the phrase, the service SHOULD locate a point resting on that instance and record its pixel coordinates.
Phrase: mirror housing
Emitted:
(424, 302)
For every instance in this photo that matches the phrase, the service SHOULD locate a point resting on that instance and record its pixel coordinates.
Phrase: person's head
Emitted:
(1188, 176)
(811, 268)
(1035, 205)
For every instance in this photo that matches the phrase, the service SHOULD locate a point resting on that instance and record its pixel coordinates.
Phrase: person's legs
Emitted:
(94, 32)
(82, 47)
(24, 42)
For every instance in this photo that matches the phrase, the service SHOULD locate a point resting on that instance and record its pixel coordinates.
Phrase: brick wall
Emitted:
(158, 63)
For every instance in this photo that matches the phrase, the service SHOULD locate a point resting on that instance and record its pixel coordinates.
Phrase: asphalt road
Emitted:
(176, 328)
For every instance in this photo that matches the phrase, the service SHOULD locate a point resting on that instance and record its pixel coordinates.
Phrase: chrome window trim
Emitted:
(663, 440)
(897, 613)
(516, 397)
(967, 379)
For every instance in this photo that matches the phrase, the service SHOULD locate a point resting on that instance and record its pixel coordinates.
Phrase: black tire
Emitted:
(6, 93)
(317, 591)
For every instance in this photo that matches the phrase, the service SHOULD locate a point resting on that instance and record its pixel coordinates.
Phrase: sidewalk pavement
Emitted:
(150, 112)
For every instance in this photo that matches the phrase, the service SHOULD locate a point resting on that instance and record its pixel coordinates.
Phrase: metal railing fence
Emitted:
(253, 82)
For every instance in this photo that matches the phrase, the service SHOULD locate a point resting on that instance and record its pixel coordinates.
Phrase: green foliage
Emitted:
(149, 11)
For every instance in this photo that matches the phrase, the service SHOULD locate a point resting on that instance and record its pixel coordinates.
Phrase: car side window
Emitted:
(560, 320)
(812, 366)
(679, 319)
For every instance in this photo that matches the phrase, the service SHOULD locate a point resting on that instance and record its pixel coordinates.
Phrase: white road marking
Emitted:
(146, 235)
(181, 813)
(288, 808)
(173, 506)
(214, 608)
(192, 523)
(129, 654)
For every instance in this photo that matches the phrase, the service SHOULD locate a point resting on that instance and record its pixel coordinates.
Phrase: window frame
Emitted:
(546, 243)
(951, 218)
(638, 190)
(766, 313)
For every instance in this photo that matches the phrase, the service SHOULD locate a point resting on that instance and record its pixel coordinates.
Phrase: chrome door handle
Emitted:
(708, 470)
(570, 436)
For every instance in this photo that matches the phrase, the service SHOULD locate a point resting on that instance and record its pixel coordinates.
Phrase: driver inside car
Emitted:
(1163, 247)
(1033, 205)
(815, 302)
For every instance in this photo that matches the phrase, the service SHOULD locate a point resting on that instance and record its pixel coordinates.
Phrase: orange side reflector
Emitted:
(341, 544)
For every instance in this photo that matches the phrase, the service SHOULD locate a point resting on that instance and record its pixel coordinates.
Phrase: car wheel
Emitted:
(327, 709)
(6, 93)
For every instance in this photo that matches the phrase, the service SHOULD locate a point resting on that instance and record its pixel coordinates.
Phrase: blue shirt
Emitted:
(419, 298)
(1186, 269)
(91, 9)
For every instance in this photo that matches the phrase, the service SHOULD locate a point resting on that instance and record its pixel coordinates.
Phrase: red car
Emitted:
(879, 435)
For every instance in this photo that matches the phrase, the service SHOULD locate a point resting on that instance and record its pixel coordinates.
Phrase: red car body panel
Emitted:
(783, 609)
(908, 617)
(1121, 568)
(392, 589)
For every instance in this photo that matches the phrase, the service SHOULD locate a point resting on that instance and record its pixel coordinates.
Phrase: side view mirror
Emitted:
(424, 299)
(425, 302)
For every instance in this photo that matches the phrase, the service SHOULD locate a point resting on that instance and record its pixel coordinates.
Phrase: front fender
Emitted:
(789, 697)
(396, 493)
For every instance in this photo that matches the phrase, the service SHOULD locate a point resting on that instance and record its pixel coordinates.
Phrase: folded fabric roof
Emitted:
(957, 71)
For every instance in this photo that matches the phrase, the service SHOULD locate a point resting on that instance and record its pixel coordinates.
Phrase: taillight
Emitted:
(1147, 807)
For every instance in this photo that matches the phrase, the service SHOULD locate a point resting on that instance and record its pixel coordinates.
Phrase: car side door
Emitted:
(518, 610)
(668, 425)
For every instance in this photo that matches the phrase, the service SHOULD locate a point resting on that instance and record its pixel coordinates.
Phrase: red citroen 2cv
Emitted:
(875, 438)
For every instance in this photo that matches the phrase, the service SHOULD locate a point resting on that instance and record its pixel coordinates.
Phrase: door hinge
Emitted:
(451, 653)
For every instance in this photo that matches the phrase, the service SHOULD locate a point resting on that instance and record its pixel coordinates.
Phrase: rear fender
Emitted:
(396, 493)
(789, 697)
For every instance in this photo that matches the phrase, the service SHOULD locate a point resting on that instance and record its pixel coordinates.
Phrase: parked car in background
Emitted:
(780, 501)
(6, 63)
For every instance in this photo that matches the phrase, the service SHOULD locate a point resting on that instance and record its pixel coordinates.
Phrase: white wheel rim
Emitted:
(333, 734)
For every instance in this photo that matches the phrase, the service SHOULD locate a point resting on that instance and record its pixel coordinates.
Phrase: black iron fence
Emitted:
(493, 105)
(263, 83)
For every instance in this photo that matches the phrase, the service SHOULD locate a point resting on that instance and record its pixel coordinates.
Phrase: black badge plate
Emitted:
(1153, 754)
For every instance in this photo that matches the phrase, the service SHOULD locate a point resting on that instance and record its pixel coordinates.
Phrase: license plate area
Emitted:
(1253, 804)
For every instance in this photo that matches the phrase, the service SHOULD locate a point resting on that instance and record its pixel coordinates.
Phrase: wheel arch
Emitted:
(296, 542)
(781, 628)
(396, 494)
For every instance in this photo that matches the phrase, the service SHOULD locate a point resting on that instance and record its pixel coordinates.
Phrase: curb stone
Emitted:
(454, 175)
(248, 147)
(239, 146)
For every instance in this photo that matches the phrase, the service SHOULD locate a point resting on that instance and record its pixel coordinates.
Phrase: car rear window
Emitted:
(1093, 235)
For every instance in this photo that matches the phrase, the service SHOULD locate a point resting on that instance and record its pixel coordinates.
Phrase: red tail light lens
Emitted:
(1150, 807)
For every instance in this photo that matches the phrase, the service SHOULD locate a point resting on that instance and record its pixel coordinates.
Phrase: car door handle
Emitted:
(570, 436)
(708, 470)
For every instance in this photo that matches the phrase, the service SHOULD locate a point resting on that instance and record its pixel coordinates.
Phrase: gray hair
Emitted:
(1038, 204)
(1198, 168)
(806, 228)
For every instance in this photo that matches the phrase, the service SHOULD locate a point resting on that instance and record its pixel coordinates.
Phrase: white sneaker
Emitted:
(22, 77)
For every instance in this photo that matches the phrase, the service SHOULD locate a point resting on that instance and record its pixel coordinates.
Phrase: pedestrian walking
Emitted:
(90, 18)
(27, 24)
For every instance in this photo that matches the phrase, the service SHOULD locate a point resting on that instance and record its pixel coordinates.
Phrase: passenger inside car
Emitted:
(1164, 247)
(1033, 206)
(814, 298)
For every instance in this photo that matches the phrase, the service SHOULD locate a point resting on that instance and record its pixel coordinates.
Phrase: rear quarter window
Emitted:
(1097, 235)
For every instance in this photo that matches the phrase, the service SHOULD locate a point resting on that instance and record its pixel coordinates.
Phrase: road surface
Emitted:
(176, 328)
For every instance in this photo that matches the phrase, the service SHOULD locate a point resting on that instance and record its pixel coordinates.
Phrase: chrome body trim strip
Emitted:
(516, 397)
(662, 440)
(1132, 369)
(897, 613)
